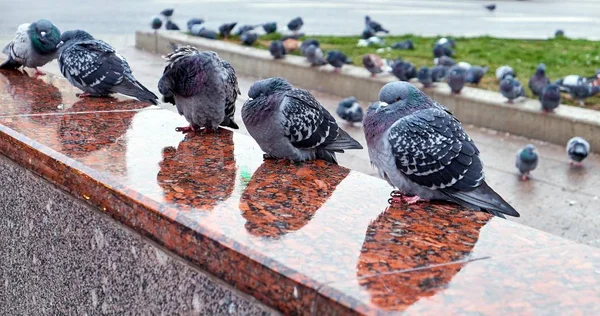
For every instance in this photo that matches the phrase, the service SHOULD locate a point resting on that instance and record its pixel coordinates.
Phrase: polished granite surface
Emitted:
(303, 238)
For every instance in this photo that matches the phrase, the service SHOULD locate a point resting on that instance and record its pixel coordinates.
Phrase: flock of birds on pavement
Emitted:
(417, 144)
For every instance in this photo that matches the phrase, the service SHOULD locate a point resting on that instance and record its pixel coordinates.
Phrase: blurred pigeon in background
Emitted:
(375, 26)
(244, 28)
(277, 49)
(156, 23)
(295, 24)
(444, 61)
(210, 102)
(201, 31)
(405, 45)
(270, 27)
(248, 38)
(97, 69)
(226, 28)
(527, 161)
(490, 7)
(420, 148)
(456, 79)
(314, 55)
(577, 149)
(438, 73)
(171, 26)
(559, 33)
(375, 64)
(538, 81)
(350, 111)
(306, 43)
(578, 87)
(167, 13)
(475, 74)
(289, 123)
(424, 76)
(337, 59)
(511, 88)
(504, 71)
(194, 21)
(550, 97)
(368, 32)
(403, 70)
(440, 50)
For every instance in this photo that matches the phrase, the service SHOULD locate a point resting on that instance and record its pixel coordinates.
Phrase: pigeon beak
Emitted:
(61, 43)
(43, 33)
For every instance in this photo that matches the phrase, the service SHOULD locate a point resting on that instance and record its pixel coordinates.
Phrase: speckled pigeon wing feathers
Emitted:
(232, 91)
(17, 49)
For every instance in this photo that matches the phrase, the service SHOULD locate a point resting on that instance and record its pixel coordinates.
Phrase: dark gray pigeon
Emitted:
(167, 12)
(248, 38)
(277, 49)
(457, 76)
(270, 27)
(439, 73)
(505, 71)
(368, 33)
(559, 33)
(350, 111)
(225, 29)
(405, 45)
(550, 97)
(194, 21)
(444, 61)
(201, 31)
(96, 68)
(202, 86)
(337, 59)
(295, 24)
(244, 28)
(511, 88)
(475, 74)
(306, 43)
(527, 161)
(440, 50)
(171, 26)
(156, 23)
(577, 149)
(424, 76)
(374, 25)
(34, 46)
(490, 7)
(289, 123)
(578, 87)
(314, 55)
(403, 70)
(421, 149)
(538, 81)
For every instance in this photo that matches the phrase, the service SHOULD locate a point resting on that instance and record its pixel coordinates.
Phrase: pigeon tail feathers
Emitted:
(342, 142)
(484, 198)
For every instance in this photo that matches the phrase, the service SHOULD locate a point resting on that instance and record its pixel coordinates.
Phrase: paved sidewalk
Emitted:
(560, 200)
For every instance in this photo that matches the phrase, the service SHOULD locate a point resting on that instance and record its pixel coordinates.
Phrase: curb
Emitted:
(479, 107)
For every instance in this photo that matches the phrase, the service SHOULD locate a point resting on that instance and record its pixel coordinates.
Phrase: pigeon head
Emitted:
(156, 23)
(268, 86)
(44, 36)
(73, 36)
(507, 84)
(402, 96)
(528, 154)
(367, 18)
(541, 69)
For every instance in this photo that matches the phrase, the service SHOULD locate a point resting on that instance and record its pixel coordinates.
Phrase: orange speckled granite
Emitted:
(309, 238)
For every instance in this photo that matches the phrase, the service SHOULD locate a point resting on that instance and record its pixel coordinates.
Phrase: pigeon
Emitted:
(167, 12)
(424, 76)
(403, 70)
(578, 87)
(34, 46)
(475, 74)
(270, 27)
(421, 149)
(171, 26)
(277, 50)
(194, 21)
(337, 59)
(289, 123)
(444, 61)
(375, 64)
(314, 55)
(350, 111)
(202, 86)
(447, 41)
(456, 79)
(527, 160)
(156, 23)
(201, 31)
(550, 97)
(374, 25)
(511, 88)
(440, 50)
(225, 29)
(577, 149)
(244, 28)
(559, 33)
(295, 24)
(464, 65)
(439, 73)
(490, 7)
(504, 71)
(248, 38)
(406, 45)
(97, 69)
(306, 43)
(368, 32)
(538, 81)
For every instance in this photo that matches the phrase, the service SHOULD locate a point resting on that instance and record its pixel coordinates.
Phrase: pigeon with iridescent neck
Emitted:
(550, 97)
(527, 161)
(421, 149)
(577, 149)
(34, 46)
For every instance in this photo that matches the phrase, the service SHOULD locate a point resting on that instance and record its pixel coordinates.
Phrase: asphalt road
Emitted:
(512, 18)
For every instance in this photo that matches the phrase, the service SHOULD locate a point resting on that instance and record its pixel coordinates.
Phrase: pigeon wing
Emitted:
(232, 89)
(19, 47)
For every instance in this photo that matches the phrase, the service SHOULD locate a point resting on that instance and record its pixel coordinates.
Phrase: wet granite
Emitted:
(302, 238)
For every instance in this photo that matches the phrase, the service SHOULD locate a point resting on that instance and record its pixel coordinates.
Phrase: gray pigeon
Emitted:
(475, 74)
(406, 45)
(375, 64)
(277, 49)
(403, 70)
(374, 25)
(505, 71)
(577, 149)
(578, 87)
(444, 61)
(420, 148)
(289, 123)
(156, 23)
(96, 68)
(295, 24)
(456, 79)
(350, 111)
(248, 38)
(306, 43)
(225, 29)
(443, 47)
(171, 26)
(167, 12)
(550, 97)
(337, 59)
(244, 28)
(314, 55)
(194, 21)
(559, 33)
(34, 46)
(538, 81)
(527, 161)
(438, 73)
(511, 88)
(270, 27)
(202, 86)
(201, 31)
(424, 76)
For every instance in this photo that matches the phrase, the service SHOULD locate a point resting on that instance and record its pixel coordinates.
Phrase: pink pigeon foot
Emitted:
(38, 72)
(397, 197)
(186, 129)
(83, 95)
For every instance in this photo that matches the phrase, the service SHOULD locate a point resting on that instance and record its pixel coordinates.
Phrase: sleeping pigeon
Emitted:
(167, 12)
(424, 76)
(375, 64)
(349, 110)
(475, 74)
(444, 61)
(295, 24)
(248, 38)
(314, 55)
(504, 71)
(202, 86)
(277, 49)
(306, 43)
(171, 26)
(225, 29)
(201, 31)
(289, 123)
(577, 149)
(96, 68)
(374, 25)
(538, 81)
(244, 28)
(156, 23)
(550, 97)
(456, 79)
(511, 88)
(194, 21)
(403, 70)
(270, 27)
(527, 161)
(406, 44)
(34, 46)
(368, 32)
(443, 47)
(337, 59)
(420, 148)
(439, 73)
(578, 87)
